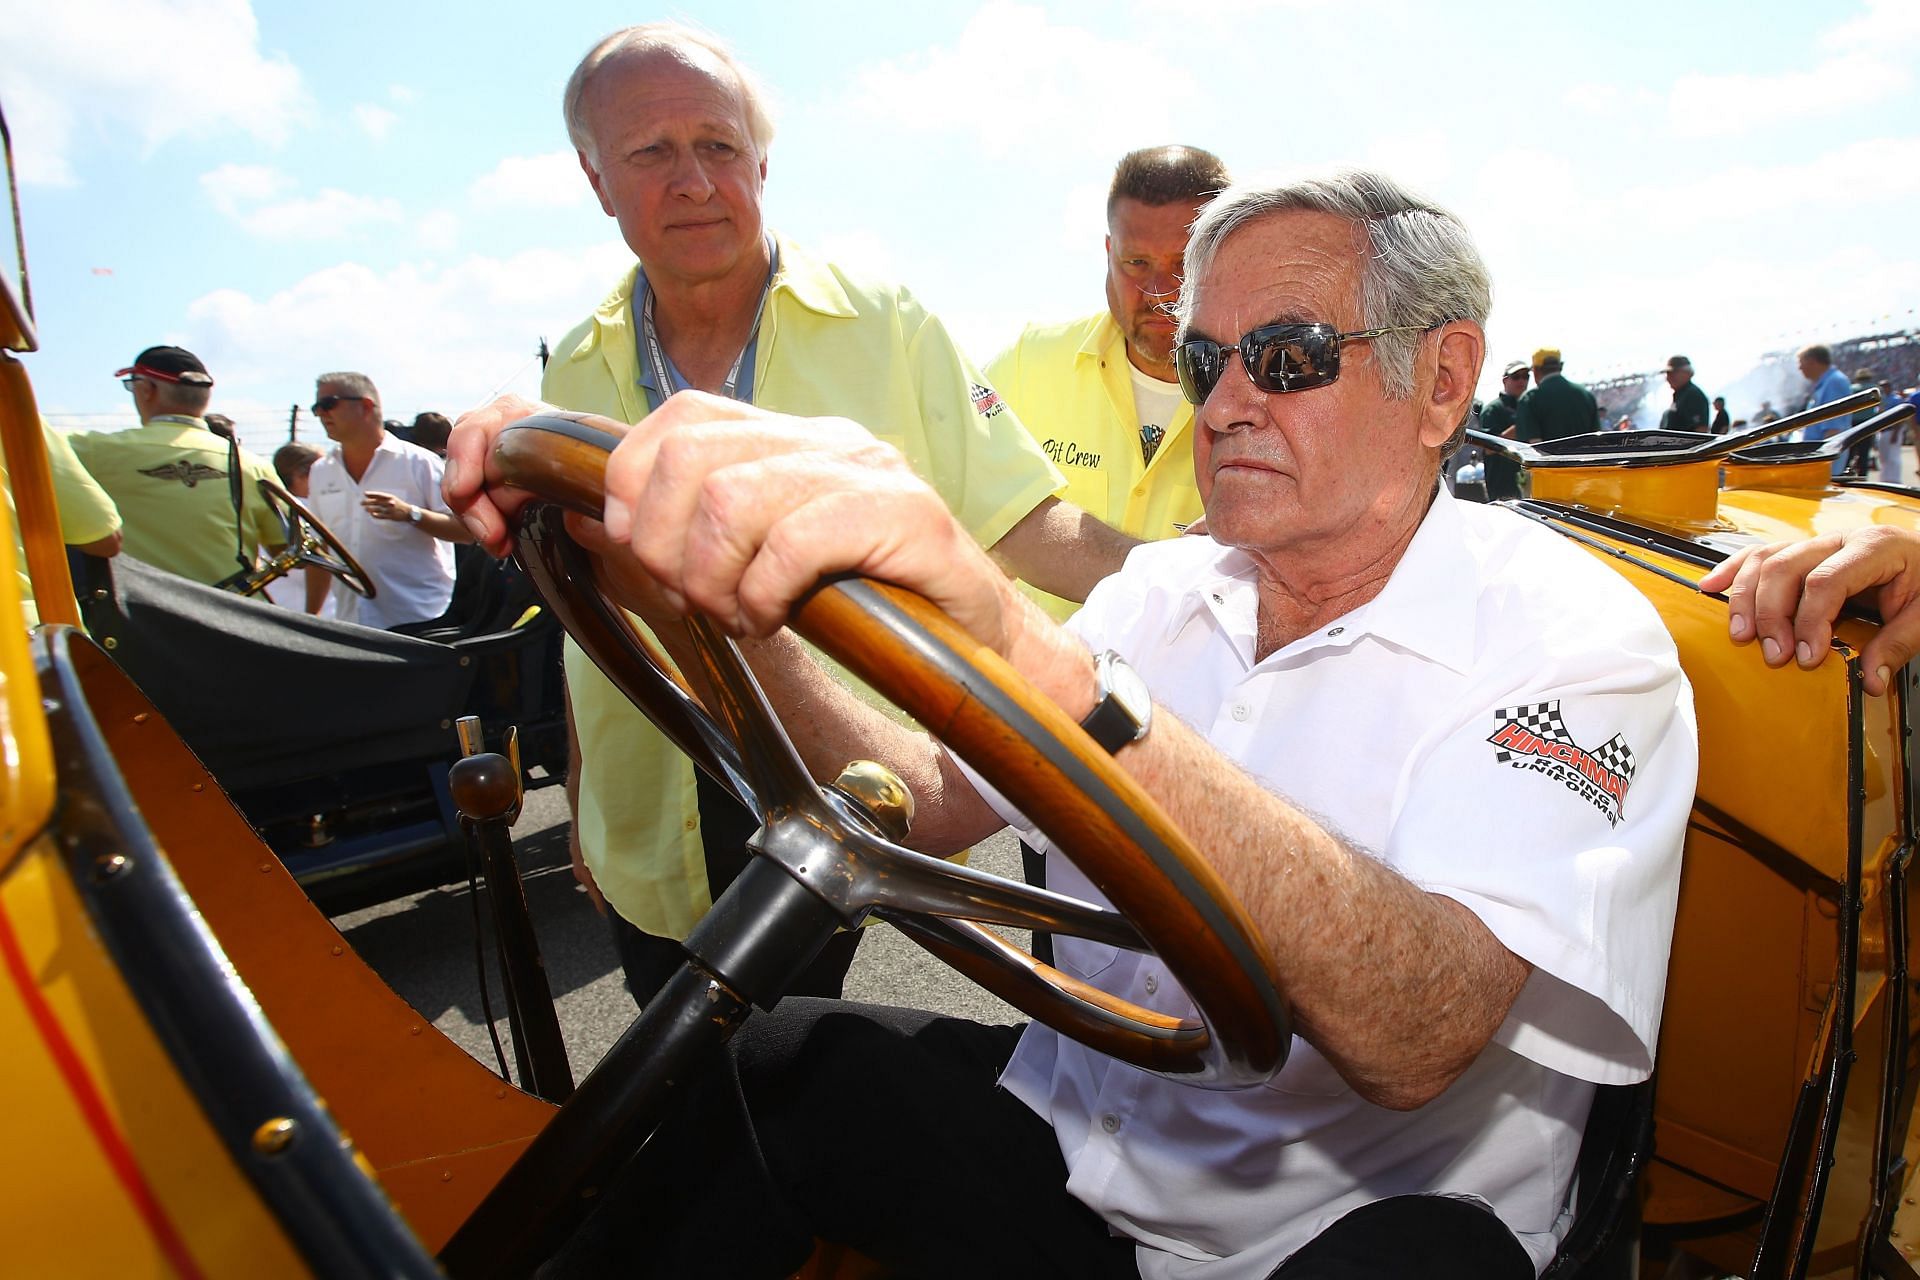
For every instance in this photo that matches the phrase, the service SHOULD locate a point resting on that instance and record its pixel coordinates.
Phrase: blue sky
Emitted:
(293, 188)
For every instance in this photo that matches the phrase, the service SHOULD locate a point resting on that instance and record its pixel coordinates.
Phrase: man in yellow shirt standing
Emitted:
(171, 477)
(1099, 393)
(673, 135)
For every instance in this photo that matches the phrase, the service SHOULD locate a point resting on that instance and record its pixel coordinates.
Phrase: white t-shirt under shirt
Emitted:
(1154, 403)
(411, 570)
(1445, 727)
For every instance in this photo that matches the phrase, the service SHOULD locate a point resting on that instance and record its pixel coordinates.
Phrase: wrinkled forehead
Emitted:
(1296, 265)
(635, 86)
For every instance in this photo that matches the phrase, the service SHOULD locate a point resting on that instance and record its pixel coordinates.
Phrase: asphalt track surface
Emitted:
(422, 945)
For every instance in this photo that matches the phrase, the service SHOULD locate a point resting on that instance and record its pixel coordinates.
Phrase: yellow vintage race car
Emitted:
(205, 1080)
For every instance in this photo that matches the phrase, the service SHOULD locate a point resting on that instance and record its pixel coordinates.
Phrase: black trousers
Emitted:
(725, 826)
(884, 1129)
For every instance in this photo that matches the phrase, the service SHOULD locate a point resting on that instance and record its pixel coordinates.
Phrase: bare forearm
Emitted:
(1061, 549)
(1399, 988)
(447, 528)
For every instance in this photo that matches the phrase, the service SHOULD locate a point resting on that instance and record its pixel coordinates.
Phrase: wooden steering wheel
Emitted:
(1167, 899)
(310, 542)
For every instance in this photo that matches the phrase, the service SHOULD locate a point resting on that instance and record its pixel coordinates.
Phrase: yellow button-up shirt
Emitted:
(830, 344)
(1070, 384)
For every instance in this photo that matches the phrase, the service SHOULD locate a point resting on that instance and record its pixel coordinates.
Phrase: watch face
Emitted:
(1131, 692)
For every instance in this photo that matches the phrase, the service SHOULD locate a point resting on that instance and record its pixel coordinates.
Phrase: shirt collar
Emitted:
(1102, 336)
(1428, 606)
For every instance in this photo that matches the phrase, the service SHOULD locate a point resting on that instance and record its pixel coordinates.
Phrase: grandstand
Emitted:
(1774, 379)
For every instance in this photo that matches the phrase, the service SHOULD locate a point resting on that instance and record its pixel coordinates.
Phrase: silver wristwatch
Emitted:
(1124, 711)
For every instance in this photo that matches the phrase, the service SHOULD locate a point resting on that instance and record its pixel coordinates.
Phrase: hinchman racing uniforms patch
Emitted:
(1534, 737)
(986, 401)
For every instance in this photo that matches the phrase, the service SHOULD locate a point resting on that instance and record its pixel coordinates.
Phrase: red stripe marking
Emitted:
(93, 1107)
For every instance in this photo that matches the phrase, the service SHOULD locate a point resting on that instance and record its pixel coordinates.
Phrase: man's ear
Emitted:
(593, 179)
(1459, 348)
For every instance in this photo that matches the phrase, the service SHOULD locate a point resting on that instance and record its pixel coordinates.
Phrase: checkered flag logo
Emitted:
(1533, 736)
(1616, 757)
(1541, 719)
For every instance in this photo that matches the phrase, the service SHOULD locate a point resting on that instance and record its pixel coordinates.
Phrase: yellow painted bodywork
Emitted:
(26, 756)
(1752, 979)
(66, 1210)
(1686, 495)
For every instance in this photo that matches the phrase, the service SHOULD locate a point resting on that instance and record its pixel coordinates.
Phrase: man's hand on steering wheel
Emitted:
(737, 512)
(470, 484)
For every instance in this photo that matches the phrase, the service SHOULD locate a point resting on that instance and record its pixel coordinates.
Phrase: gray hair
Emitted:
(1421, 268)
(189, 398)
(685, 44)
(353, 384)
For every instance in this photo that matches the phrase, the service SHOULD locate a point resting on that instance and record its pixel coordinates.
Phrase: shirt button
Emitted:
(1111, 1123)
(1153, 984)
(1239, 711)
(1336, 631)
(1217, 599)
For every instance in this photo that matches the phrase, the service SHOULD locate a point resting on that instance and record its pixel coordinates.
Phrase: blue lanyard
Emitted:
(657, 358)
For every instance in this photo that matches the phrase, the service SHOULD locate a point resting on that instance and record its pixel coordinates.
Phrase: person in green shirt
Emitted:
(1557, 406)
(169, 476)
(1497, 418)
(1690, 411)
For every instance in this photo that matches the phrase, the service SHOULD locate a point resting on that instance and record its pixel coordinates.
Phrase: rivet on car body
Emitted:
(275, 1136)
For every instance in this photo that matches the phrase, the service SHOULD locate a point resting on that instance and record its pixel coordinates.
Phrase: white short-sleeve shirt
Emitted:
(412, 571)
(1506, 724)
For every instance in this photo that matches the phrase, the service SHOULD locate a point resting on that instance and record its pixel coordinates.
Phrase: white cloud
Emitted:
(1866, 61)
(248, 194)
(329, 214)
(548, 181)
(233, 185)
(438, 231)
(1720, 106)
(1421, 158)
(1891, 167)
(430, 337)
(375, 122)
(92, 64)
(1886, 22)
(1013, 74)
(403, 94)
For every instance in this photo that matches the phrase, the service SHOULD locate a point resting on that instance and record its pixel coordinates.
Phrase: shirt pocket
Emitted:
(1082, 959)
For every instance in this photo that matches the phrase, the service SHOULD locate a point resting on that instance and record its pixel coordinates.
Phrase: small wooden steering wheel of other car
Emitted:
(309, 543)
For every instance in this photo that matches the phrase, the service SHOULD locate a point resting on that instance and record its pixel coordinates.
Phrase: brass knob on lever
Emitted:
(879, 795)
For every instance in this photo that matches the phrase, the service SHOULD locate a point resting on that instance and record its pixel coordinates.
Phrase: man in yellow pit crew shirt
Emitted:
(673, 137)
(169, 475)
(1099, 393)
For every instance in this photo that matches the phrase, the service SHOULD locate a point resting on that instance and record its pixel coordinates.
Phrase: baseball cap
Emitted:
(1546, 355)
(168, 364)
(1514, 367)
(1675, 363)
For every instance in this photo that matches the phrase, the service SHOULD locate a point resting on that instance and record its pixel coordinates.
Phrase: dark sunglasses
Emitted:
(325, 403)
(1277, 357)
